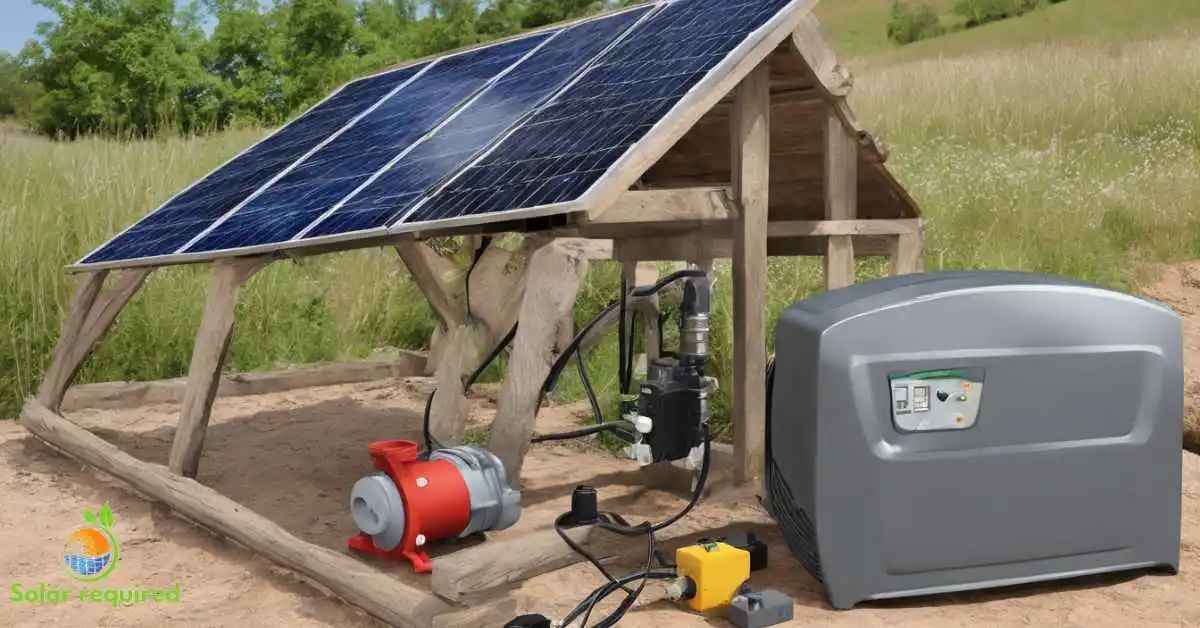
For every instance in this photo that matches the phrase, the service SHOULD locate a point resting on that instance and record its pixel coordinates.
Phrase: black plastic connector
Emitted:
(531, 620)
(749, 542)
(585, 507)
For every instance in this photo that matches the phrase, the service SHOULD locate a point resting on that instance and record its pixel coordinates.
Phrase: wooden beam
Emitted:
(355, 582)
(89, 316)
(751, 154)
(820, 58)
(208, 358)
(670, 248)
(417, 258)
(841, 198)
(557, 270)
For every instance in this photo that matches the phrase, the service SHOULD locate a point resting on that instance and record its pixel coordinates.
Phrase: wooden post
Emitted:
(419, 259)
(841, 198)
(208, 358)
(907, 252)
(557, 269)
(88, 317)
(643, 274)
(751, 153)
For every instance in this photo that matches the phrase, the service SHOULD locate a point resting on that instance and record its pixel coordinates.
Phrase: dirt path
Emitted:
(293, 456)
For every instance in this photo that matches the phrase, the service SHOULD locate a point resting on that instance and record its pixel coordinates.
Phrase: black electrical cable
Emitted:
(597, 412)
(613, 524)
(573, 348)
(630, 596)
(610, 588)
(585, 431)
(430, 441)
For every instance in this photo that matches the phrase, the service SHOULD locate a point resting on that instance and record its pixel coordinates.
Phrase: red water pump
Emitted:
(414, 500)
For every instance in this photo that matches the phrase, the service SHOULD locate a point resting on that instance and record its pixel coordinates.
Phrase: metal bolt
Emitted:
(422, 482)
(420, 540)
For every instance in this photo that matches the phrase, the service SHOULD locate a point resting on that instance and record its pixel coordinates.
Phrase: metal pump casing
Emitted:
(455, 492)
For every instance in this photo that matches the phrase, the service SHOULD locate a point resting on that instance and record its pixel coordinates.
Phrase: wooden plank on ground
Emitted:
(359, 584)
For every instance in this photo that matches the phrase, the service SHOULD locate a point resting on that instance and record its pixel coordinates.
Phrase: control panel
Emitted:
(936, 400)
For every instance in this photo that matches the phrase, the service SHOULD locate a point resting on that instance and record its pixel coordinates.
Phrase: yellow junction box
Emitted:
(717, 571)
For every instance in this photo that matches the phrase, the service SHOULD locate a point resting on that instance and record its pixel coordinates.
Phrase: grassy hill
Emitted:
(1066, 141)
(858, 27)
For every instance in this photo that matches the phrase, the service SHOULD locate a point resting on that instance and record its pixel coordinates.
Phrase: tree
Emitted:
(120, 66)
(317, 37)
(16, 94)
(245, 55)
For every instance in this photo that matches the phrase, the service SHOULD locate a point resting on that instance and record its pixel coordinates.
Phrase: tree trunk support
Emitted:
(557, 269)
(208, 358)
(90, 314)
(751, 150)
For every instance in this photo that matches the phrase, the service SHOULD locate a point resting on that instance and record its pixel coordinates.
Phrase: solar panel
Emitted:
(560, 152)
(278, 212)
(188, 213)
(525, 127)
(396, 188)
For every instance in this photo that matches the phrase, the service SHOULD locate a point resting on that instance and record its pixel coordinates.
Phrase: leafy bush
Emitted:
(907, 24)
(977, 12)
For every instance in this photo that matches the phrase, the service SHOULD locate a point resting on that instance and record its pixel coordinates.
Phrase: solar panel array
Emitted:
(519, 128)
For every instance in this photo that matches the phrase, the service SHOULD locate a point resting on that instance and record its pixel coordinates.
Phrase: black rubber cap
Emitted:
(531, 620)
(585, 506)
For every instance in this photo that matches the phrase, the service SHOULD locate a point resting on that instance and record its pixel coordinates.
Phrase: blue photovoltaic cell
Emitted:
(563, 149)
(476, 126)
(189, 213)
(291, 203)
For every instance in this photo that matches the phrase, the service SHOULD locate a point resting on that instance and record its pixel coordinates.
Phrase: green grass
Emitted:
(1080, 159)
(859, 27)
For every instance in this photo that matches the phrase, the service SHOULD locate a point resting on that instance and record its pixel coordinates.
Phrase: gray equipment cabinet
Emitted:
(948, 431)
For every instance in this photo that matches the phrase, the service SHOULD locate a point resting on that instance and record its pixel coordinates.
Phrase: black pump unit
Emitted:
(948, 431)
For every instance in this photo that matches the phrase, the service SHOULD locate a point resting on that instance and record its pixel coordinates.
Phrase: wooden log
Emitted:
(492, 296)
(355, 582)
(841, 199)
(113, 395)
(487, 615)
(487, 566)
(418, 259)
(208, 358)
(90, 315)
(751, 151)
(557, 269)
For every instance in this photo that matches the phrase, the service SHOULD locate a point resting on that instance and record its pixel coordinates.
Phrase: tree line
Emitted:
(137, 68)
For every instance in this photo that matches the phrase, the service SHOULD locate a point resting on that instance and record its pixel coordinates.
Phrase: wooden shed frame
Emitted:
(766, 159)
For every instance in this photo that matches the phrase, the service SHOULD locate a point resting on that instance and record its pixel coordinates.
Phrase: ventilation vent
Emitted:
(798, 530)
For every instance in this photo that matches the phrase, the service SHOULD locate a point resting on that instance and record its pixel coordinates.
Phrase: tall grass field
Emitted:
(1071, 159)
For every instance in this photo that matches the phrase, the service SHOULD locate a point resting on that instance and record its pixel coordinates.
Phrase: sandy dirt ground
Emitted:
(293, 456)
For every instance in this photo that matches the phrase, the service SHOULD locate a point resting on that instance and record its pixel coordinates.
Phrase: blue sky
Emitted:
(19, 21)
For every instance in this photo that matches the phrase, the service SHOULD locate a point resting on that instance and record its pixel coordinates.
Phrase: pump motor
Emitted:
(410, 502)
